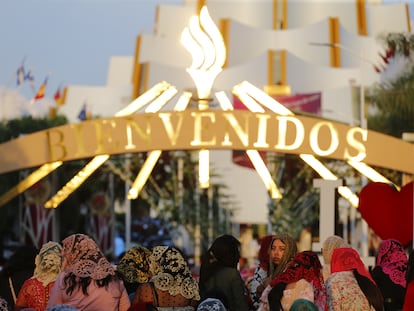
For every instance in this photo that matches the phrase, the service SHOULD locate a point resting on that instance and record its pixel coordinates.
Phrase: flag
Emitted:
(30, 77)
(20, 75)
(42, 90)
(83, 113)
(60, 96)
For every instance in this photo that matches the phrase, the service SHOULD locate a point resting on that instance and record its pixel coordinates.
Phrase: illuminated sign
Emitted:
(210, 129)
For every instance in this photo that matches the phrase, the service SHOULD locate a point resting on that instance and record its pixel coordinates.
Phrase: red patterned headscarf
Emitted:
(393, 261)
(305, 265)
(348, 259)
(82, 257)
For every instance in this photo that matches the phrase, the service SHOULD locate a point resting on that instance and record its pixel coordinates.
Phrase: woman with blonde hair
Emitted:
(281, 251)
(302, 278)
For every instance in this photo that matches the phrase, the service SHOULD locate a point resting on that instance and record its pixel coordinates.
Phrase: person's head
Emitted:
(48, 262)
(84, 261)
(348, 259)
(226, 250)
(170, 272)
(303, 305)
(393, 261)
(329, 245)
(134, 266)
(23, 259)
(211, 304)
(282, 249)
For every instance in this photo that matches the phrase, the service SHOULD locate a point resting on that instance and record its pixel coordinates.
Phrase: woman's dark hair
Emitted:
(275, 296)
(226, 250)
(72, 282)
(371, 291)
(22, 259)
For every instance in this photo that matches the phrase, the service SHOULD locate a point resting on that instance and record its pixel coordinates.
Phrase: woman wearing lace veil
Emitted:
(389, 273)
(171, 286)
(87, 281)
(134, 268)
(35, 291)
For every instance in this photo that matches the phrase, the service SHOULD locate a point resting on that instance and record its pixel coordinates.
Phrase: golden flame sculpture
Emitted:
(205, 43)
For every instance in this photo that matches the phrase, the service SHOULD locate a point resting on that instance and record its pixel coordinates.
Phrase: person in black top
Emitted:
(219, 271)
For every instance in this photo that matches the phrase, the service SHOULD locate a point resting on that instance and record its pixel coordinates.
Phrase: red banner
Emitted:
(36, 220)
(100, 226)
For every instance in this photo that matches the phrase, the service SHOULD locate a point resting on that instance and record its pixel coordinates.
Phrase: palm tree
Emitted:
(392, 102)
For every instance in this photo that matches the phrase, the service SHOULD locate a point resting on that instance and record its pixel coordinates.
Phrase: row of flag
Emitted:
(23, 76)
(59, 96)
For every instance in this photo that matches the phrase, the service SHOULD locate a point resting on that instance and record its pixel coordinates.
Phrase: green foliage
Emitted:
(397, 43)
(299, 205)
(391, 102)
(14, 128)
(9, 130)
(393, 106)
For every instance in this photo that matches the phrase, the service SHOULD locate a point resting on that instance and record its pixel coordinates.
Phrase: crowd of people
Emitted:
(76, 275)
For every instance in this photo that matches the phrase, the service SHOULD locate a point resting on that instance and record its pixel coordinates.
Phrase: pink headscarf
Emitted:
(348, 259)
(393, 261)
(83, 258)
